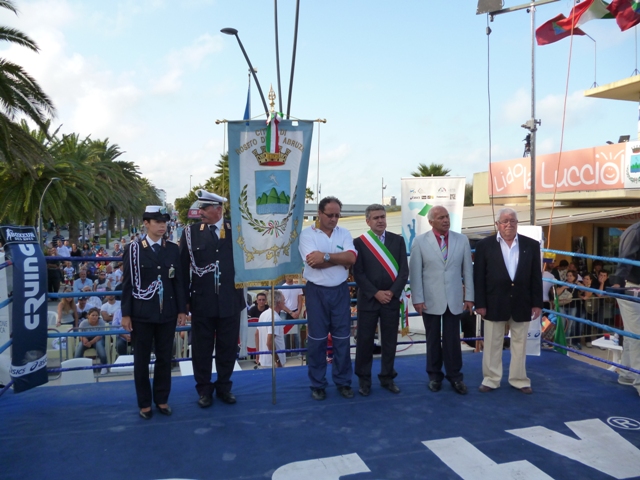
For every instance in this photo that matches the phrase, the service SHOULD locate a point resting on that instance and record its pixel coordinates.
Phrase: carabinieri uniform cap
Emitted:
(156, 212)
(209, 199)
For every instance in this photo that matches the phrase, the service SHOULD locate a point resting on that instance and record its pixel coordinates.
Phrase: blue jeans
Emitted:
(99, 346)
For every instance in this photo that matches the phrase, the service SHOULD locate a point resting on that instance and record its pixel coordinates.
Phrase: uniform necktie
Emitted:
(443, 247)
(156, 248)
(212, 229)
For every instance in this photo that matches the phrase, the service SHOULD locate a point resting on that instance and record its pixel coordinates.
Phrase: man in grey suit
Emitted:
(440, 261)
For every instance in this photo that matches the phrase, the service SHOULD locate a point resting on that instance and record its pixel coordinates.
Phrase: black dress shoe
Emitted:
(435, 386)
(392, 387)
(146, 415)
(346, 391)
(318, 393)
(460, 387)
(205, 401)
(364, 390)
(227, 397)
(164, 410)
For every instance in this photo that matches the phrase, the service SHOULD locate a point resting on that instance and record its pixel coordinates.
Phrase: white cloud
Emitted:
(190, 57)
(549, 108)
(341, 152)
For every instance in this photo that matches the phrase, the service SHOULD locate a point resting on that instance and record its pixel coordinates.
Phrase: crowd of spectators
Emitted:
(86, 312)
(596, 307)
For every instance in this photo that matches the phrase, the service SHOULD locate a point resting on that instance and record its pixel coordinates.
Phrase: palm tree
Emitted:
(309, 195)
(20, 95)
(74, 198)
(433, 170)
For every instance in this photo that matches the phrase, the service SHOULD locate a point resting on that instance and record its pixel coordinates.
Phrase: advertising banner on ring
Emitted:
(420, 194)
(28, 308)
(268, 165)
(5, 327)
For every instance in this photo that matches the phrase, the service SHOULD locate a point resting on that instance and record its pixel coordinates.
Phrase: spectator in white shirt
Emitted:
(109, 308)
(63, 249)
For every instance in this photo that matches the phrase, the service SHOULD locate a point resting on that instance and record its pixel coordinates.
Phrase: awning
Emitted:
(479, 220)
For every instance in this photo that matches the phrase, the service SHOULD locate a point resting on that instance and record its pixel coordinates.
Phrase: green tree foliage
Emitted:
(468, 195)
(309, 196)
(92, 183)
(218, 184)
(21, 96)
(433, 170)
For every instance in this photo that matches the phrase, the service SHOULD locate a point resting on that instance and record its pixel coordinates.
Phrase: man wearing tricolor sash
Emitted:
(328, 252)
(440, 262)
(381, 272)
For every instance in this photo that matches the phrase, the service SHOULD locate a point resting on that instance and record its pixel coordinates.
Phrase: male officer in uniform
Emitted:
(153, 297)
(206, 257)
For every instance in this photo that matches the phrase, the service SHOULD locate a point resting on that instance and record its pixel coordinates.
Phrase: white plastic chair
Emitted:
(76, 377)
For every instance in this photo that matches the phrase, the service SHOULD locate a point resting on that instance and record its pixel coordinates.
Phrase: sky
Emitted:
(399, 83)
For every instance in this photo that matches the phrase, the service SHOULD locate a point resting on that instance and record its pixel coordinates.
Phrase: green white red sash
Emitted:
(390, 264)
(381, 252)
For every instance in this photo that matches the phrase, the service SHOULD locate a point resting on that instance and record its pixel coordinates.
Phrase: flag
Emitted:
(268, 178)
(559, 337)
(627, 13)
(551, 31)
(247, 109)
(585, 11)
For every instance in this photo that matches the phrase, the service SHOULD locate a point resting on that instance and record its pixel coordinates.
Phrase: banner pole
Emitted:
(273, 346)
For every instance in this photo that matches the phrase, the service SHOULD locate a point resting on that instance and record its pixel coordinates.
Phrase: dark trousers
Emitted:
(367, 321)
(144, 336)
(448, 351)
(217, 333)
(328, 311)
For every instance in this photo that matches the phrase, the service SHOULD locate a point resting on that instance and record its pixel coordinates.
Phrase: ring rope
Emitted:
(606, 328)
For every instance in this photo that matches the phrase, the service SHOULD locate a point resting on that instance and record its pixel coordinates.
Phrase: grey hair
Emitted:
(374, 207)
(506, 211)
(278, 297)
(431, 214)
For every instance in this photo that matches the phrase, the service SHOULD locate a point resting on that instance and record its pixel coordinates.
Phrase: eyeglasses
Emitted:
(508, 222)
(331, 215)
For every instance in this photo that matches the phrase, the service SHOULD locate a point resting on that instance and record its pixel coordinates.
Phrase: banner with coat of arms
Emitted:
(268, 165)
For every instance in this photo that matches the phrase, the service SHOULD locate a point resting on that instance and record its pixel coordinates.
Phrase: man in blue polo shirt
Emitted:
(328, 253)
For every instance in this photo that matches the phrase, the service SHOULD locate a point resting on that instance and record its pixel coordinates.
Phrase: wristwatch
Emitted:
(327, 257)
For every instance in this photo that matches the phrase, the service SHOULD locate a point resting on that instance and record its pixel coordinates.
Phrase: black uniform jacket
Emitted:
(494, 290)
(165, 263)
(201, 290)
(371, 276)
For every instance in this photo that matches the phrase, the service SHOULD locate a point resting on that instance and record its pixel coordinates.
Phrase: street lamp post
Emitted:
(384, 187)
(233, 31)
(54, 179)
(493, 8)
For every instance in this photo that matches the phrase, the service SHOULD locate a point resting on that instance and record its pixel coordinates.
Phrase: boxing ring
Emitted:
(579, 423)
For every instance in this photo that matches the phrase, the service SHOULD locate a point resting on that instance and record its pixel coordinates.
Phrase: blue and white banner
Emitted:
(268, 180)
(28, 308)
